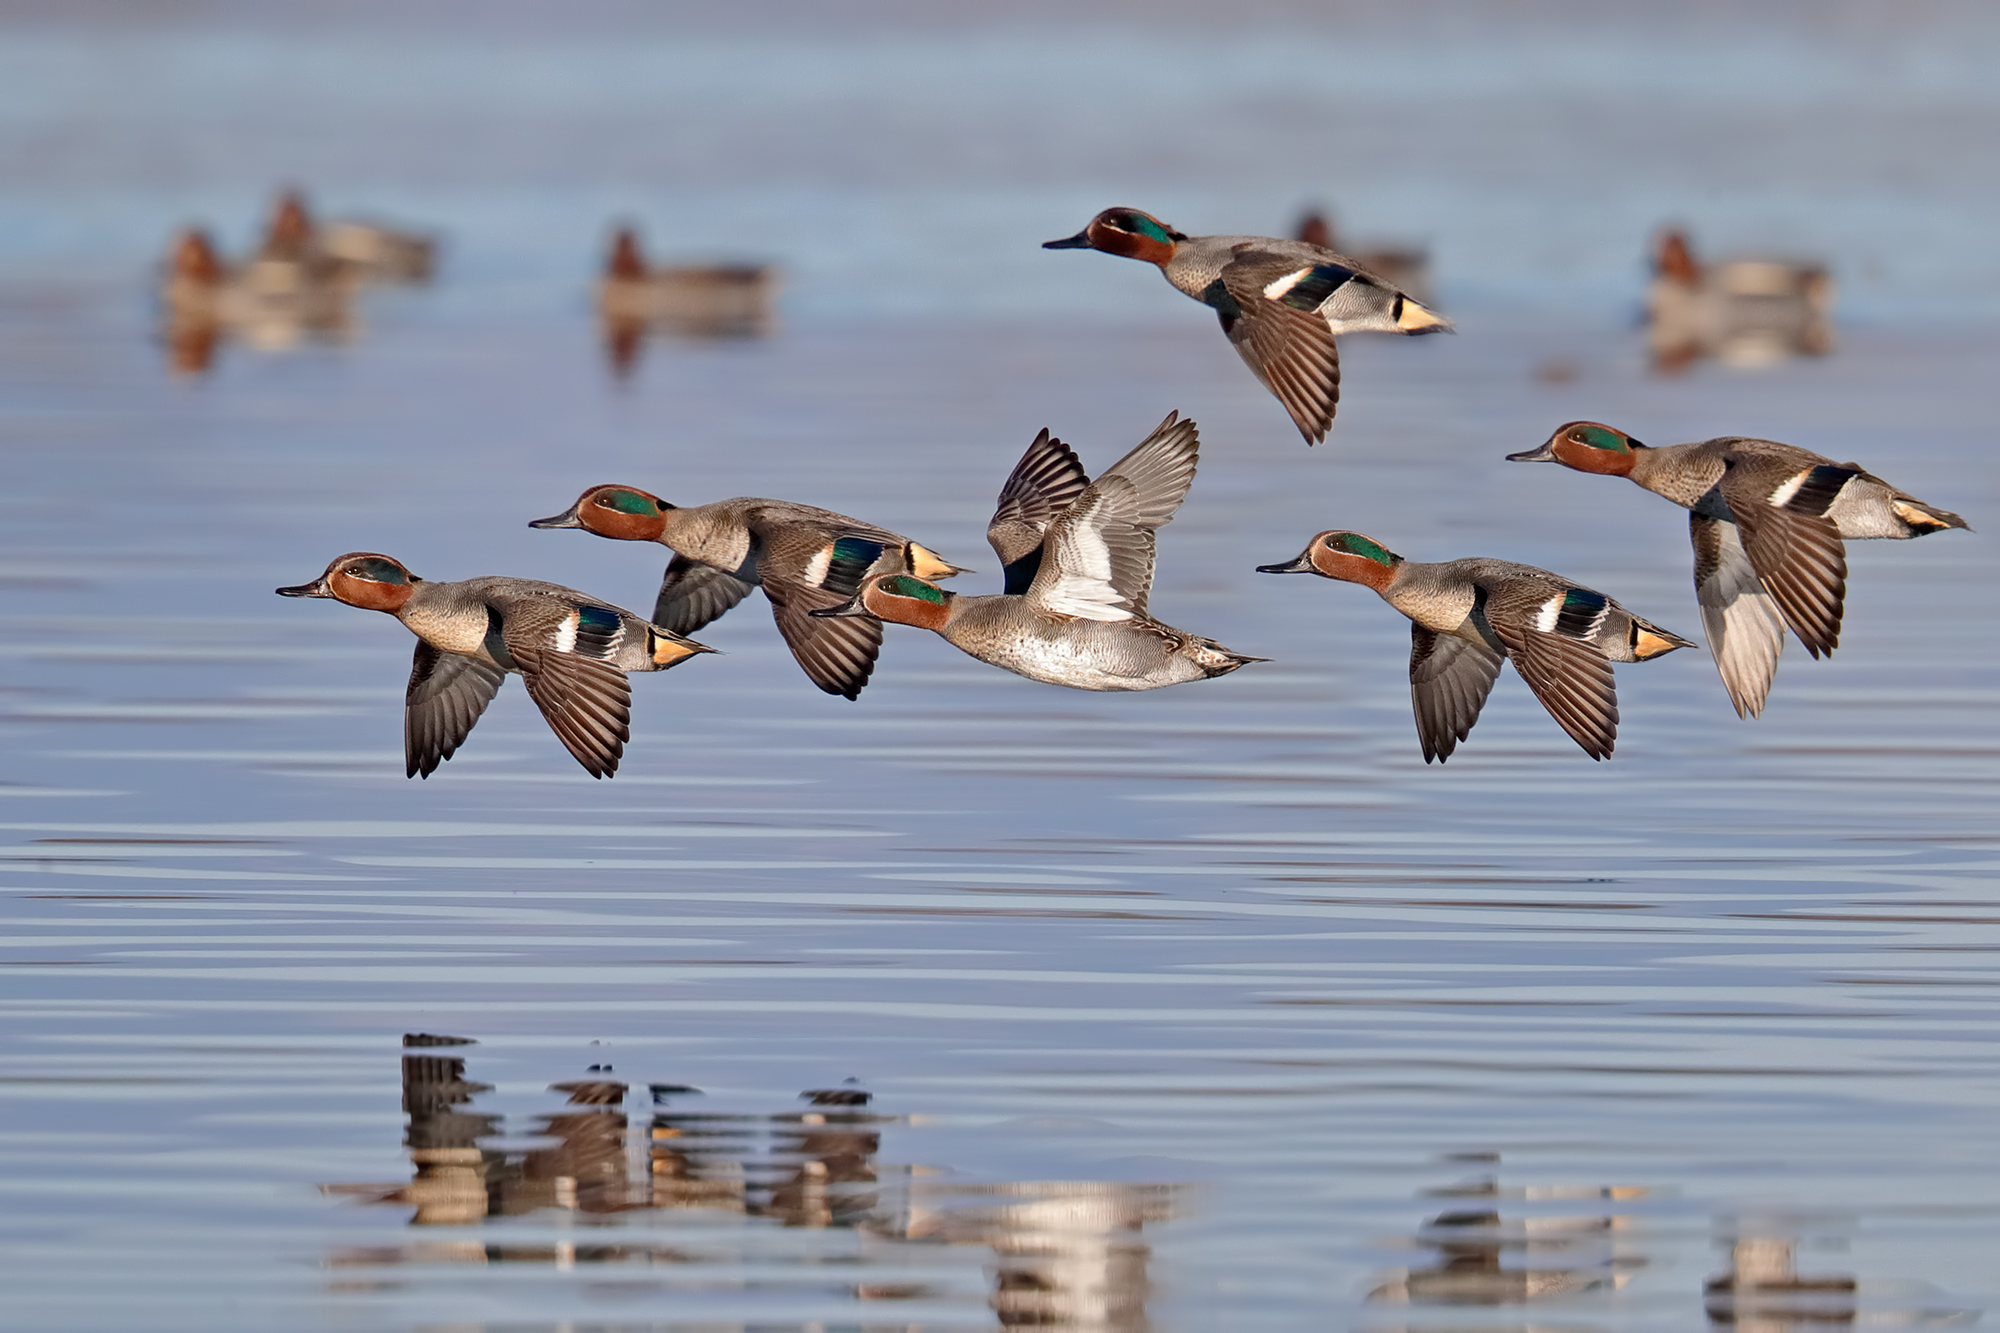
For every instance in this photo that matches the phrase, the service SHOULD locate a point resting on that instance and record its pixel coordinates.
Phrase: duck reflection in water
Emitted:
(1067, 1254)
(697, 301)
(1762, 1291)
(1560, 1255)
(1745, 312)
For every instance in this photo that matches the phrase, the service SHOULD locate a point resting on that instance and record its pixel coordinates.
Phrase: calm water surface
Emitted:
(1212, 1006)
(974, 1001)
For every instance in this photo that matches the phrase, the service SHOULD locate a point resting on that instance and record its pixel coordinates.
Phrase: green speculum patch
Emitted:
(902, 585)
(628, 502)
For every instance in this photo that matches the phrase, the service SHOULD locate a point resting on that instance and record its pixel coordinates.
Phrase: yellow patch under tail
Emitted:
(669, 652)
(927, 565)
(1916, 517)
(1413, 318)
(1646, 644)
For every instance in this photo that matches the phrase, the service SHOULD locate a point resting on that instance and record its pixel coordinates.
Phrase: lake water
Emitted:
(1207, 1008)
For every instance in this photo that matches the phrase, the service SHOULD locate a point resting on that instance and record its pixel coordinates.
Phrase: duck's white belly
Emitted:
(1086, 655)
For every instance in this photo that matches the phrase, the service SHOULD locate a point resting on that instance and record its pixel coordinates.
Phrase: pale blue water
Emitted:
(1206, 1008)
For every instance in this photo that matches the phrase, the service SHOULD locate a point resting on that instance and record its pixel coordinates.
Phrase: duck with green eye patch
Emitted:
(572, 650)
(804, 558)
(1469, 616)
(1078, 557)
(1281, 302)
(1768, 522)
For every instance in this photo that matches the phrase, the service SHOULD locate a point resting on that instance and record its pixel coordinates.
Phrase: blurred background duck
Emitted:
(363, 251)
(1407, 266)
(1745, 312)
(707, 301)
(269, 303)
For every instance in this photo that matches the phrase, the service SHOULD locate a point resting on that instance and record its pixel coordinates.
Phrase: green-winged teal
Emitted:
(699, 300)
(804, 558)
(1746, 312)
(572, 650)
(1079, 565)
(1281, 302)
(1467, 616)
(1768, 522)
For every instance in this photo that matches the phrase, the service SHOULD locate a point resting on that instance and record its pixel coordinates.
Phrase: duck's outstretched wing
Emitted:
(586, 701)
(1045, 482)
(837, 652)
(1098, 559)
(1161, 469)
(447, 693)
(1791, 543)
(1746, 628)
(1449, 681)
(1571, 678)
(693, 594)
(1285, 341)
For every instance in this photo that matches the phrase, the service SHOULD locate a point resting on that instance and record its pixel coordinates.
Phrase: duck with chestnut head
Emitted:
(803, 557)
(1769, 523)
(572, 650)
(1281, 302)
(1078, 557)
(1468, 616)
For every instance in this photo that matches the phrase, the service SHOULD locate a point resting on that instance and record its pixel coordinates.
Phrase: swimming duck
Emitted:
(1748, 312)
(1079, 562)
(572, 650)
(715, 300)
(1768, 521)
(1467, 616)
(292, 257)
(1280, 302)
(803, 557)
(361, 250)
(269, 307)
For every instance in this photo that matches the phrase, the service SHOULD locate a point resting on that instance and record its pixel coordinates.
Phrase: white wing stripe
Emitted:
(1276, 289)
(1782, 496)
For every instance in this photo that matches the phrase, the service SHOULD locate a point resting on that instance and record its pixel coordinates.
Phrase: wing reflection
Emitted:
(1067, 1254)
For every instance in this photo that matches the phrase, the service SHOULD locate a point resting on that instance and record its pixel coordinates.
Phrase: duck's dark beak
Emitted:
(317, 588)
(1080, 241)
(1302, 565)
(563, 520)
(1545, 452)
(851, 607)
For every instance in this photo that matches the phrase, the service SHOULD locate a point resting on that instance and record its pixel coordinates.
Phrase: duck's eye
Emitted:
(1331, 544)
